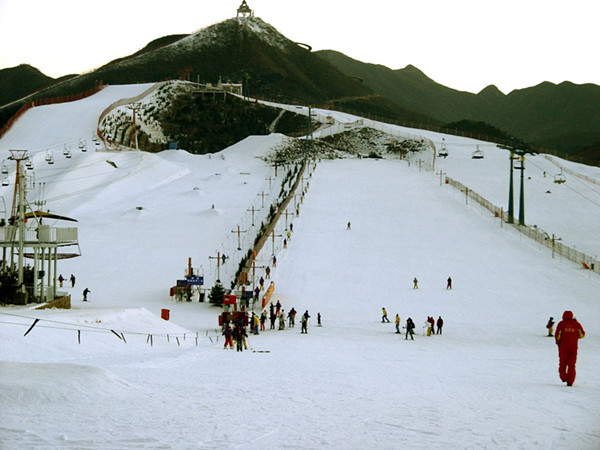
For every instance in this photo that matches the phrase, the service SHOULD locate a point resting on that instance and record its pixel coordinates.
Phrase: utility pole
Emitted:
(441, 176)
(262, 195)
(273, 241)
(218, 258)
(239, 247)
(253, 210)
(270, 179)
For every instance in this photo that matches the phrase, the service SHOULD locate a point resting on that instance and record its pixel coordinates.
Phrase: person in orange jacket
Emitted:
(567, 334)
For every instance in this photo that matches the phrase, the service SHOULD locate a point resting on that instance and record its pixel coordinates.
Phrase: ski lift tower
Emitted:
(244, 11)
(27, 236)
(18, 156)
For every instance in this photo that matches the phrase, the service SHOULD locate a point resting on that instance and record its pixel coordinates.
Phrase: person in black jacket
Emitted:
(410, 327)
(440, 324)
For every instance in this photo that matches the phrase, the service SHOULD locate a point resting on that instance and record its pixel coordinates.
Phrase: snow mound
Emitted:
(56, 383)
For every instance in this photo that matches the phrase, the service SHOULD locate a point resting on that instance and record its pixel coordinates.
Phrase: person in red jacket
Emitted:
(567, 334)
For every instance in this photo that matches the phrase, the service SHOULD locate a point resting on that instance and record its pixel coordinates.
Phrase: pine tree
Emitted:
(215, 296)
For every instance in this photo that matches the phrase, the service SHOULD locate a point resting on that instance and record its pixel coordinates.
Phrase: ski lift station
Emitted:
(25, 235)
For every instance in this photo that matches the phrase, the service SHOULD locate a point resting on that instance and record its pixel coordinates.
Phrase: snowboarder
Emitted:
(410, 326)
(261, 283)
(305, 318)
(349, 226)
(72, 279)
(274, 261)
(384, 317)
(86, 291)
(397, 321)
(415, 283)
(60, 280)
(268, 273)
(449, 283)
(568, 333)
(440, 324)
(550, 326)
(228, 333)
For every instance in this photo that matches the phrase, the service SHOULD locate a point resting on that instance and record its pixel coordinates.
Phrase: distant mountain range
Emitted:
(564, 117)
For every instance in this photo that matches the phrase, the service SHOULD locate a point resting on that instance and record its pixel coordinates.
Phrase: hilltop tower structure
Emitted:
(244, 11)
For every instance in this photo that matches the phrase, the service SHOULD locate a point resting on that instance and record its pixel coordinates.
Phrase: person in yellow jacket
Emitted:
(397, 321)
(384, 317)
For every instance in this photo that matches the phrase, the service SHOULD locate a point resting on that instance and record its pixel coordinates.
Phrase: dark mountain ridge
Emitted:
(565, 116)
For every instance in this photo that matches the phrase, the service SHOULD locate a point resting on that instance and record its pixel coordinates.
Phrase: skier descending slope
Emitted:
(568, 333)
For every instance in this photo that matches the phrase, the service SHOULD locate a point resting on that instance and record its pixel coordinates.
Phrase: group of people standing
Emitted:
(410, 324)
(276, 316)
(61, 280)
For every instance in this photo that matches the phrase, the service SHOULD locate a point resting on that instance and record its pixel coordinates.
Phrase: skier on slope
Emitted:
(240, 335)
(440, 324)
(397, 322)
(550, 327)
(282, 320)
(305, 318)
(568, 333)
(384, 317)
(291, 318)
(410, 326)
(228, 333)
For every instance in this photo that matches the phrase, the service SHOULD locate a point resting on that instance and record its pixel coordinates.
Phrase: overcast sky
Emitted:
(463, 44)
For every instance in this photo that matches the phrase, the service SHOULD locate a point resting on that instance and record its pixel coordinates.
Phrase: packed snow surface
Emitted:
(111, 373)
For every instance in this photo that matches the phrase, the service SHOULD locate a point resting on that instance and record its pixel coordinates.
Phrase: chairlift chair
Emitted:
(559, 178)
(5, 181)
(4, 170)
(477, 154)
(443, 153)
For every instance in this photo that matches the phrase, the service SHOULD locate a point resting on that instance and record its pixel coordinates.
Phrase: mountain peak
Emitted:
(491, 91)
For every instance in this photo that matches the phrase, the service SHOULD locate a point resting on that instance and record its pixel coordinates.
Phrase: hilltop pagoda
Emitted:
(244, 11)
